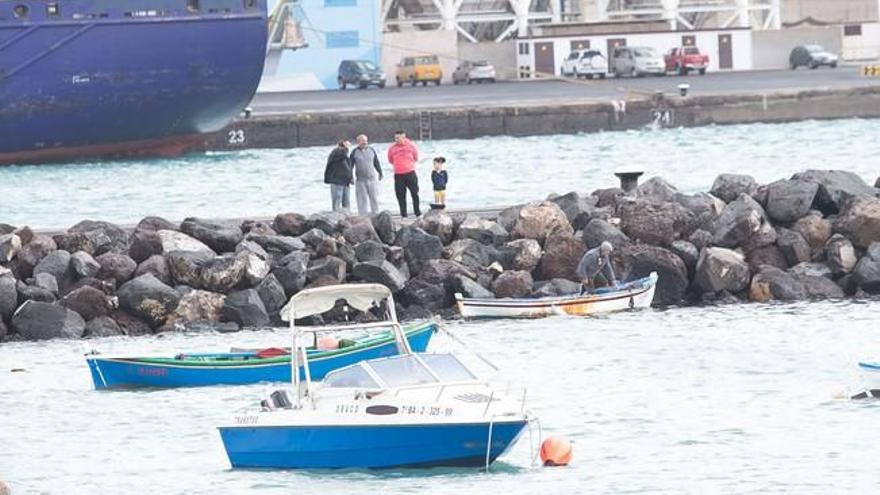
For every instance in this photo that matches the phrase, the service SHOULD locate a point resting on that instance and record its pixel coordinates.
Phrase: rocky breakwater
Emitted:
(815, 235)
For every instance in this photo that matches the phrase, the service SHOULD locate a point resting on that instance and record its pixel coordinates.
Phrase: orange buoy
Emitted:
(555, 451)
(328, 343)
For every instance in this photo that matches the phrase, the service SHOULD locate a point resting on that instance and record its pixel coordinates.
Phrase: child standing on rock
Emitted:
(439, 179)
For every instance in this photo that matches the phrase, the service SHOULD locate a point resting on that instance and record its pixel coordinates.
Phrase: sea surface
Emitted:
(491, 171)
(731, 399)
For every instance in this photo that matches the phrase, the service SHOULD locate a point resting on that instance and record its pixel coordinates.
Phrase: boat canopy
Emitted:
(321, 299)
(400, 371)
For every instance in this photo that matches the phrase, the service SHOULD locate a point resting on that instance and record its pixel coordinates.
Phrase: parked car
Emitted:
(635, 61)
(587, 63)
(685, 59)
(474, 71)
(421, 68)
(811, 56)
(360, 73)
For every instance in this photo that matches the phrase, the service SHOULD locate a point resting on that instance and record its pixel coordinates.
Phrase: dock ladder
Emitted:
(424, 125)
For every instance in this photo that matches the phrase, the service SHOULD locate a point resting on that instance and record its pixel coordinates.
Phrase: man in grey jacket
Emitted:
(594, 261)
(368, 173)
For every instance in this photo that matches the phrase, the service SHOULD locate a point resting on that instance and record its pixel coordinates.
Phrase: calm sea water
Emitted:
(734, 399)
(483, 172)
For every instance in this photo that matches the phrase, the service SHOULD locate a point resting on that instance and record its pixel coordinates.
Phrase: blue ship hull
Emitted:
(367, 447)
(101, 78)
(139, 372)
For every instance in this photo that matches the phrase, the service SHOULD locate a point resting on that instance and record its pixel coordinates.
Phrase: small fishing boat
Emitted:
(410, 410)
(871, 378)
(630, 295)
(246, 366)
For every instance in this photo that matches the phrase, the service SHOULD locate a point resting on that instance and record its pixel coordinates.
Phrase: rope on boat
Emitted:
(534, 453)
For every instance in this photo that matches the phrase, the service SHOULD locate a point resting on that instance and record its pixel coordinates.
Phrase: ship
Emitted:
(94, 79)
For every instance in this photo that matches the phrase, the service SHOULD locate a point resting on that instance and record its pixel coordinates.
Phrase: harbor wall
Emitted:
(318, 129)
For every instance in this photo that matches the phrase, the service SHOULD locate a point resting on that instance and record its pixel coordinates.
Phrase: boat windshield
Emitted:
(447, 367)
(401, 371)
(351, 377)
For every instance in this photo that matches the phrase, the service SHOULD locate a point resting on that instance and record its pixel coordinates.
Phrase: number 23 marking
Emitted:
(236, 136)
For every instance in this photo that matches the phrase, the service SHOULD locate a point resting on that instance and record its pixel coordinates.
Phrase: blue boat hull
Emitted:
(133, 77)
(131, 373)
(367, 447)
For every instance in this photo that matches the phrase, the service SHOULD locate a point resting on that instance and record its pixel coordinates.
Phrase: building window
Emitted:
(21, 11)
(342, 39)
(523, 48)
(340, 3)
(52, 10)
(852, 30)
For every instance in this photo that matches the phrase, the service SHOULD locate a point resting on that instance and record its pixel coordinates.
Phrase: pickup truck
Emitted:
(685, 59)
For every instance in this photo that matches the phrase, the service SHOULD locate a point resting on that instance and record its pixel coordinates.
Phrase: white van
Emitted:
(636, 61)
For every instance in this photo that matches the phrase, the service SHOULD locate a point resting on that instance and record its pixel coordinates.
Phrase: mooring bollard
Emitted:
(628, 180)
(683, 89)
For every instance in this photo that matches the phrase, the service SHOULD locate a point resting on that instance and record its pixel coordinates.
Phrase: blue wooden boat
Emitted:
(238, 368)
(870, 372)
(413, 409)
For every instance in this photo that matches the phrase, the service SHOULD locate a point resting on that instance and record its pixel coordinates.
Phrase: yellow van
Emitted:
(420, 68)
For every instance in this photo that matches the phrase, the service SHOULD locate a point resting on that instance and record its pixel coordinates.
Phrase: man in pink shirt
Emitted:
(403, 156)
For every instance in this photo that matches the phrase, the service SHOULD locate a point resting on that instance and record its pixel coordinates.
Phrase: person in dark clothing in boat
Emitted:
(339, 175)
(594, 261)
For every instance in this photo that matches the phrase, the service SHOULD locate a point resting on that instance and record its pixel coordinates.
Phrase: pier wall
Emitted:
(318, 129)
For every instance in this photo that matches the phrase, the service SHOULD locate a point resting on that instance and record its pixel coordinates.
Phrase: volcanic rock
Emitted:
(721, 269)
(537, 220)
(115, 266)
(88, 302)
(774, 284)
(482, 231)
(597, 231)
(84, 265)
(245, 308)
(728, 187)
(40, 321)
(639, 260)
(156, 265)
(380, 272)
(218, 237)
(513, 283)
(148, 298)
(840, 255)
(789, 200)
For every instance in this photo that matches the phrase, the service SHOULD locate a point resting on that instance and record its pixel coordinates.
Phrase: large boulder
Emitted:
(186, 266)
(271, 292)
(438, 223)
(245, 308)
(578, 209)
(472, 253)
(789, 200)
(859, 220)
(639, 260)
(419, 247)
(774, 284)
(130, 325)
(441, 272)
(728, 187)
(104, 236)
(10, 245)
(251, 247)
(688, 253)
(102, 326)
(840, 255)
(867, 271)
(222, 273)
(814, 228)
(508, 216)
(320, 242)
(144, 243)
(818, 287)
(8, 296)
(146, 297)
(384, 225)
(469, 288)
(607, 197)
(482, 231)
(330, 222)
(369, 251)
(654, 223)
(156, 265)
(40, 321)
(433, 297)
(257, 227)
(537, 220)
(720, 269)
(291, 271)
(277, 245)
(701, 238)
(178, 241)
(766, 255)
(743, 222)
(197, 306)
(793, 246)
(88, 302)
(33, 293)
(657, 189)
(597, 231)
(562, 252)
(57, 264)
(46, 281)
(31, 254)
(118, 267)
(357, 229)
(835, 187)
(813, 269)
(255, 269)
(380, 272)
(703, 207)
(84, 265)
(331, 267)
(556, 287)
(513, 283)
(290, 224)
(220, 238)
(522, 254)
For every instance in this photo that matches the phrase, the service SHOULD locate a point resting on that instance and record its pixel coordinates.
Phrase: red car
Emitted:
(685, 59)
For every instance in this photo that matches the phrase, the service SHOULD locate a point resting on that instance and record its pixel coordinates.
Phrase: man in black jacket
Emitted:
(338, 175)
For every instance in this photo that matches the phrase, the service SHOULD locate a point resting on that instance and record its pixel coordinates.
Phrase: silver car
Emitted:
(469, 71)
(636, 61)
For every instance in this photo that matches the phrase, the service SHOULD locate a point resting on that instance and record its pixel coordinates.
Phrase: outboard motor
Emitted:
(280, 400)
